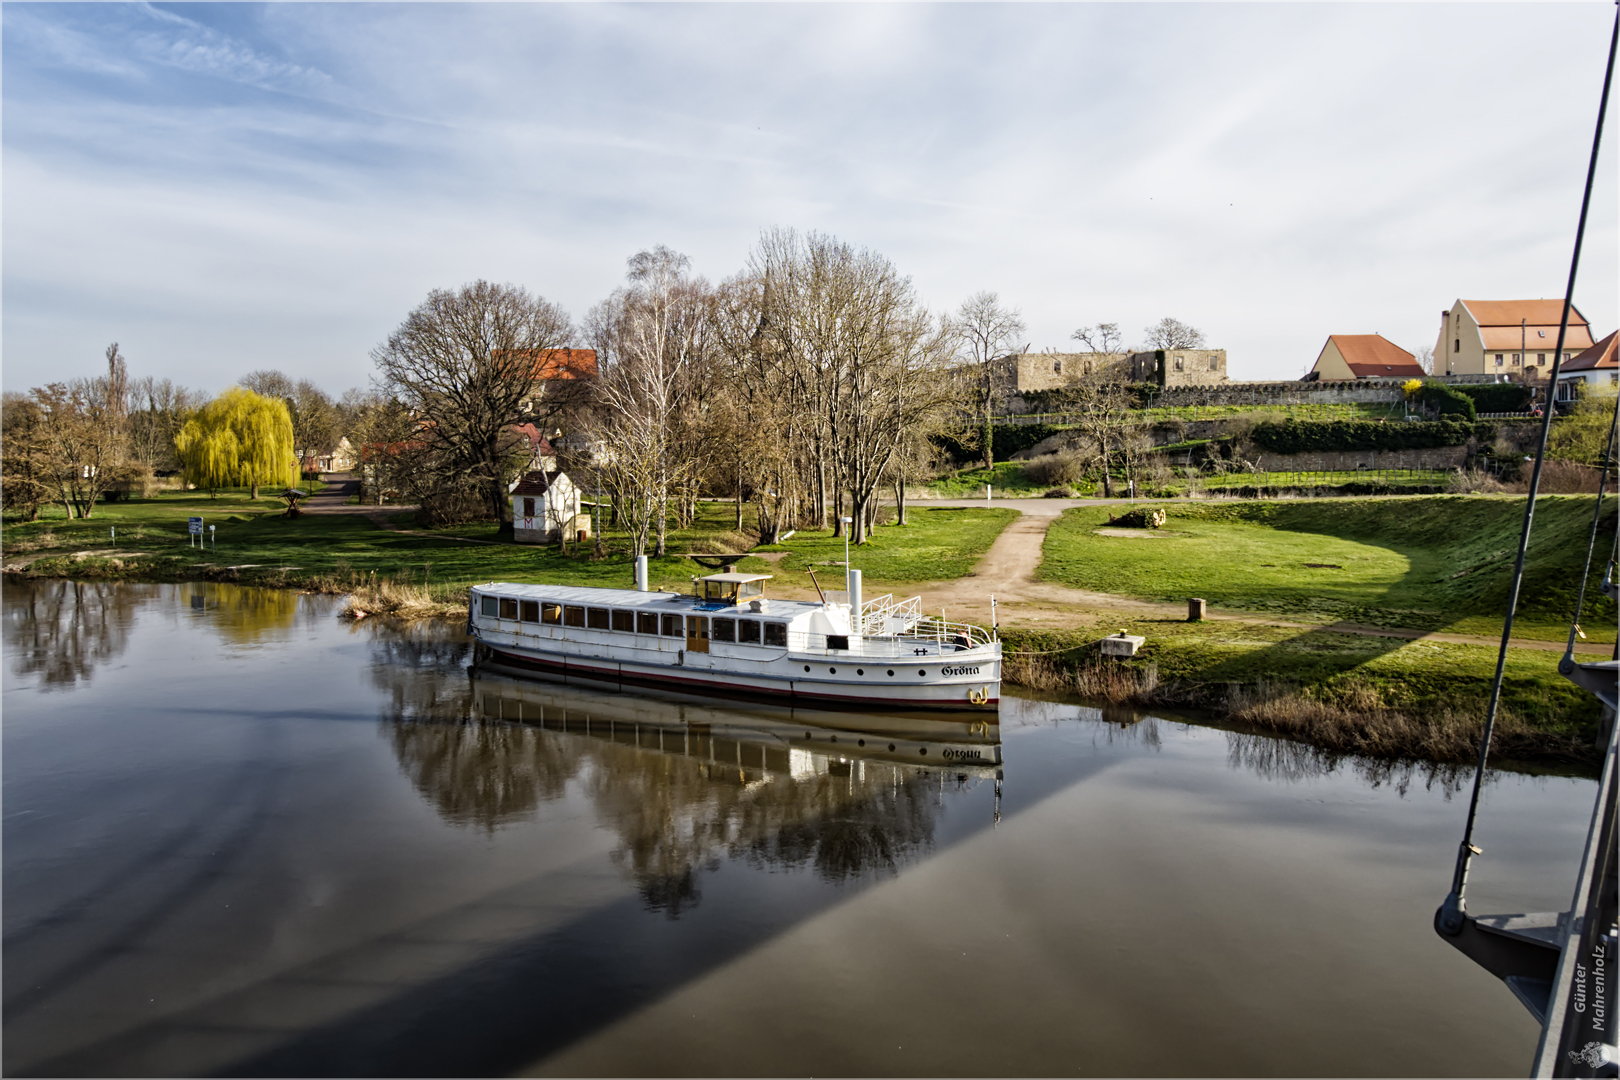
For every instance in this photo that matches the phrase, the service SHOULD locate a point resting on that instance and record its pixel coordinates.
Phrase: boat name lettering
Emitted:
(948, 670)
(953, 754)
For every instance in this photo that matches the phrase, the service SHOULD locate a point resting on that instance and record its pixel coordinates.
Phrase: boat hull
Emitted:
(964, 683)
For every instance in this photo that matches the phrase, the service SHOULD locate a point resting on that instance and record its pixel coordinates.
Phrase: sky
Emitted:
(224, 188)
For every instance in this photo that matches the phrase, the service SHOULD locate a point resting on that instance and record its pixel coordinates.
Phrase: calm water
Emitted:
(244, 837)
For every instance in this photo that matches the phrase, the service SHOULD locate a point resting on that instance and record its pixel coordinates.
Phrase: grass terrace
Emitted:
(1426, 563)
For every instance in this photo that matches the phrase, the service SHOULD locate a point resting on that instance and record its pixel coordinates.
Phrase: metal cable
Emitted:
(1450, 918)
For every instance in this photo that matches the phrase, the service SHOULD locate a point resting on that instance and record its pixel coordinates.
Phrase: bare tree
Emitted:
(464, 363)
(27, 475)
(1105, 420)
(1102, 338)
(985, 331)
(1425, 358)
(1169, 333)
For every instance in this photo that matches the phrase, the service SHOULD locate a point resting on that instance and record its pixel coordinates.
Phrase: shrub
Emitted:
(1306, 436)
(1497, 397)
(1446, 401)
(455, 506)
(1063, 467)
(1058, 493)
(1005, 441)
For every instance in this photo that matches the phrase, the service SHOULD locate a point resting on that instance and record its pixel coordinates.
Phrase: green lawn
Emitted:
(1006, 478)
(1431, 563)
(315, 549)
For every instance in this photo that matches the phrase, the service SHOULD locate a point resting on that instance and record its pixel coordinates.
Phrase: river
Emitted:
(246, 837)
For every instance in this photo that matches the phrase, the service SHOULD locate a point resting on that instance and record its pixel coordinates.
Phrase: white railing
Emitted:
(884, 616)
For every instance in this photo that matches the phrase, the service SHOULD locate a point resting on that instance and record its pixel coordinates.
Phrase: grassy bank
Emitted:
(254, 545)
(1340, 692)
(1431, 563)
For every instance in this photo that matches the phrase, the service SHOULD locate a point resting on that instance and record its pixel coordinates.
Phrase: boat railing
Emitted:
(927, 637)
(884, 616)
(962, 634)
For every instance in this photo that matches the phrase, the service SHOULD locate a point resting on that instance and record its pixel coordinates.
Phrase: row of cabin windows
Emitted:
(662, 624)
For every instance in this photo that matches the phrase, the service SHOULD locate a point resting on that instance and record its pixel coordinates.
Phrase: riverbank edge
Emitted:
(1348, 718)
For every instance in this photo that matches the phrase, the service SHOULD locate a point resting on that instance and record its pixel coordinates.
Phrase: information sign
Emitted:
(196, 526)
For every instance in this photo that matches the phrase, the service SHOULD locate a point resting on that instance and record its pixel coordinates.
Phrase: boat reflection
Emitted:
(686, 785)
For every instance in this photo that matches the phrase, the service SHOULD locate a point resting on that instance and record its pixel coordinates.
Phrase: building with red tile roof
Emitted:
(1506, 337)
(1364, 356)
(1592, 367)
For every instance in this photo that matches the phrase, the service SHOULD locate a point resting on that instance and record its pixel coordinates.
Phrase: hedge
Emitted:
(1497, 397)
(1445, 401)
(1305, 436)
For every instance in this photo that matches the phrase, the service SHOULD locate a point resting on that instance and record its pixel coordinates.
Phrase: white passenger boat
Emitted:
(727, 637)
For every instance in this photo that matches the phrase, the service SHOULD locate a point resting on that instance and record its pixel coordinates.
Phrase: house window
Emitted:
(508, 608)
(597, 618)
(624, 621)
(776, 634)
(1179, 364)
(1515, 359)
(1541, 333)
(1214, 362)
(551, 613)
(748, 631)
(1498, 359)
(1541, 358)
(1456, 345)
(531, 611)
(646, 623)
(673, 626)
(528, 508)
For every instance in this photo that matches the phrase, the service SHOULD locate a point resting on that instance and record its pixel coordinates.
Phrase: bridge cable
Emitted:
(1567, 664)
(1451, 917)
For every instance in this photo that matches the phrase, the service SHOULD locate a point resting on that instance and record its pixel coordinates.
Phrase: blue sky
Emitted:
(221, 188)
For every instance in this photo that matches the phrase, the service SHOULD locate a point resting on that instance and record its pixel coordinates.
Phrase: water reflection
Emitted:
(245, 615)
(60, 631)
(684, 785)
(1277, 759)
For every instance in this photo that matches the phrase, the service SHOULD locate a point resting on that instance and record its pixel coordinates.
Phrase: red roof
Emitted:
(1373, 356)
(559, 363)
(537, 442)
(1506, 325)
(1601, 355)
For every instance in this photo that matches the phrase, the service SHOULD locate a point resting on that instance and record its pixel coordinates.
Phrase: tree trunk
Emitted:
(899, 502)
(253, 491)
(857, 520)
(1108, 484)
(989, 440)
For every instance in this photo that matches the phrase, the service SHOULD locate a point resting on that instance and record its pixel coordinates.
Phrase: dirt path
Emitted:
(1007, 572)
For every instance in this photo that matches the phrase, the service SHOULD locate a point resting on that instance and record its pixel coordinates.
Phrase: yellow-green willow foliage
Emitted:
(239, 438)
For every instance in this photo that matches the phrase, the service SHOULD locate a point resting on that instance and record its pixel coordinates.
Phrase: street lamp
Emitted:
(846, 523)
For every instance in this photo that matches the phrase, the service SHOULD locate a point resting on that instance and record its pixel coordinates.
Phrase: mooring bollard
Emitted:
(1195, 610)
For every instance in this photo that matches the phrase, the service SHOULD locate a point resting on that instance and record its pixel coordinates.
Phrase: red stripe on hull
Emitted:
(713, 686)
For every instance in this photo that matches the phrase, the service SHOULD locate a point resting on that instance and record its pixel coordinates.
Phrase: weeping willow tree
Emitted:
(239, 438)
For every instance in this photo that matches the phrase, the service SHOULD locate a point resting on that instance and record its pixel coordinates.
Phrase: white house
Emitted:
(1596, 366)
(543, 506)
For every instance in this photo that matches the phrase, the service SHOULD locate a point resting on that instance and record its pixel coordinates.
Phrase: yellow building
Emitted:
(1506, 337)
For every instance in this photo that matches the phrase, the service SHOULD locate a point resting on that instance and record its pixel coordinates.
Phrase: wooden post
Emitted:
(1195, 610)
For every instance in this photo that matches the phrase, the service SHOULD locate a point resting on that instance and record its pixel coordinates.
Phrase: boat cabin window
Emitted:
(748, 631)
(597, 618)
(530, 610)
(573, 616)
(725, 629)
(732, 592)
(646, 622)
(624, 621)
(837, 641)
(490, 605)
(673, 627)
(776, 634)
(551, 613)
(508, 608)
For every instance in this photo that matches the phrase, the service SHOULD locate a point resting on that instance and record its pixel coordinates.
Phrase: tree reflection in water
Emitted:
(679, 800)
(61, 630)
(1279, 759)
